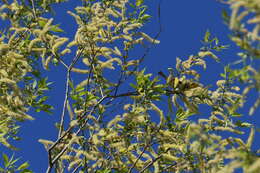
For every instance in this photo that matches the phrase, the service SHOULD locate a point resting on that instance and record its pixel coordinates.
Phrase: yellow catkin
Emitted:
(74, 163)
(71, 114)
(117, 145)
(46, 63)
(148, 38)
(250, 138)
(159, 112)
(39, 50)
(127, 37)
(12, 38)
(4, 49)
(72, 43)
(95, 139)
(114, 121)
(65, 51)
(109, 63)
(43, 141)
(112, 12)
(45, 28)
(131, 27)
(77, 70)
(169, 157)
(59, 42)
(117, 51)
(6, 80)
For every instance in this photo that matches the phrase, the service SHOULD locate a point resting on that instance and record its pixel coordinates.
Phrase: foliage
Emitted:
(21, 83)
(142, 134)
(10, 165)
(245, 25)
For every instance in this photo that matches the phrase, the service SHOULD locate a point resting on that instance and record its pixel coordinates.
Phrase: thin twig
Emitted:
(63, 63)
(52, 162)
(150, 164)
(60, 154)
(91, 112)
(170, 166)
(60, 136)
(132, 93)
(34, 11)
(54, 145)
(76, 169)
(147, 50)
(139, 157)
(92, 68)
(67, 91)
(64, 102)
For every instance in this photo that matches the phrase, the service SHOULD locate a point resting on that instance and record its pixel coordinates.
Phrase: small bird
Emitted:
(182, 83)
(162, 74)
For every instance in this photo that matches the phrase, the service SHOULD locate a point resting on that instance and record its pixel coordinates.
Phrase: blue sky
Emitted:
(184, 23)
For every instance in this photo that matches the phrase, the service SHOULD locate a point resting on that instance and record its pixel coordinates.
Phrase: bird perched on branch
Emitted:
(178, 83)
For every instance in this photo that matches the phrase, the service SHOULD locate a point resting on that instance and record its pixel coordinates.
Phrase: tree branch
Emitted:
(75, 59)
(139, 157)
(151, 163)
(53, 161)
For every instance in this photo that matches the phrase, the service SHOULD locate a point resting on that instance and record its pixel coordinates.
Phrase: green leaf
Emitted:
(43, 99)
(12, 162)
(242, 124)
(142, 12)
(79, 89)
(225, 16)
(139, 2)
(83, 93)
(206, 36)
(145, 17)
(56, 28)
(38, 110)
(23, 166)
(132, 5)
(104, 171)
(36, 73)
(26, 171)
(133, 86)
(34, 84)
(75, 97)
(71, 84)
(42, 23)
(235, 114)
(5, 157)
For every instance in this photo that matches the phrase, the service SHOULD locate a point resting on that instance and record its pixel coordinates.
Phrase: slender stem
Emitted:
(53, 161)
(64, 103)
(60, 136)
(139, 157)
(67, 91)
(151, 163)
(76, 169)
(34, 11)
(71, 127)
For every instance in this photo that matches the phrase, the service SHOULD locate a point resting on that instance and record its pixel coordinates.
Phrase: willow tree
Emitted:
(91, 137)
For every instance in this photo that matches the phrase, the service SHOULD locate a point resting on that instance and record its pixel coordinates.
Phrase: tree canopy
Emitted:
(117, 117)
